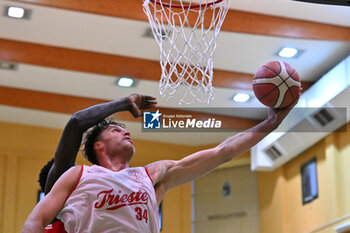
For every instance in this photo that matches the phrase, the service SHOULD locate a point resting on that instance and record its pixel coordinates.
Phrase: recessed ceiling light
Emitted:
(241, 97)
(17, 12)
(5, 65)
(288, 52)
(125, 82)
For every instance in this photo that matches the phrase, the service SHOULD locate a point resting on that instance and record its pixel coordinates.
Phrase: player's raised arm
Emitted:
(168, 174)
(70, 141)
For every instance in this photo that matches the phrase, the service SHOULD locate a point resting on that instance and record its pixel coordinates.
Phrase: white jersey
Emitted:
(107, 201)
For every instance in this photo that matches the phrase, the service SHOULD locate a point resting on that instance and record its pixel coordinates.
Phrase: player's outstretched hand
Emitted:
(277, 115)
(140, 103)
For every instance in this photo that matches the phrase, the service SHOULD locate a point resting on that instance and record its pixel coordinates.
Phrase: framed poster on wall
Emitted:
(309, 184)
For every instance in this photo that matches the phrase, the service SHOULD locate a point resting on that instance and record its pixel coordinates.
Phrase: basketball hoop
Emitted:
(186, 34)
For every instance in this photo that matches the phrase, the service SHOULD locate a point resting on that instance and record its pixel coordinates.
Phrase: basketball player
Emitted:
(70, 141)
(112, 197)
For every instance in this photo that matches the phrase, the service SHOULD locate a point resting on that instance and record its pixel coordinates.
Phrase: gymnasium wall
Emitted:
(25, 149)
(280, 194)
(226, 201)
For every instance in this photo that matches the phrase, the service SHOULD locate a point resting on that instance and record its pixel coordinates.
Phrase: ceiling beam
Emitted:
(106, 64)
(68, 104)
(236, 21)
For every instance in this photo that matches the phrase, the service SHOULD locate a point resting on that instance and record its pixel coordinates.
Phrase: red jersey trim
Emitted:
(75, 186)
(56, 227)
(148, 174)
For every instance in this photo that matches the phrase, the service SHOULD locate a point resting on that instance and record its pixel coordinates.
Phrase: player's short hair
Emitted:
(43, 174)
(93, 135)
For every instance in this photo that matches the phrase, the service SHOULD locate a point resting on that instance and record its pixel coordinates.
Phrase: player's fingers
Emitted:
(137, 114)
(148, 98)
(150, 102)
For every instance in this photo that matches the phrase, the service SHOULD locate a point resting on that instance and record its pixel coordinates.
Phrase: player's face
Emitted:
(117, 140)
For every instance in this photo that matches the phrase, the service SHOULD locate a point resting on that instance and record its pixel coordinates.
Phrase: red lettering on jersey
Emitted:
(116, 201)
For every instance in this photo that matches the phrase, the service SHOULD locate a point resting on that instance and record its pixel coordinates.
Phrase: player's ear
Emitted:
(98, 145)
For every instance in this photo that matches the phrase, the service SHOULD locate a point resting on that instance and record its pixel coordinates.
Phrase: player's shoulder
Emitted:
(77, 168)
(160, 164)
(68, 180)
(74, 171)
(159, 169)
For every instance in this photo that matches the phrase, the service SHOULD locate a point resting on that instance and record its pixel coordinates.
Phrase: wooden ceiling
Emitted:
(113, 65)
(236, 21)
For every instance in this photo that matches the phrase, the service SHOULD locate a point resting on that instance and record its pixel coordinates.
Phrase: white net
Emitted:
(186, 34)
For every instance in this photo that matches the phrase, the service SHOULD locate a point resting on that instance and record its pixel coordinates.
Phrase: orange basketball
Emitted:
(276, 84)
